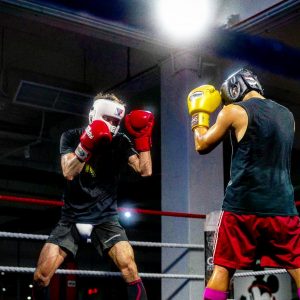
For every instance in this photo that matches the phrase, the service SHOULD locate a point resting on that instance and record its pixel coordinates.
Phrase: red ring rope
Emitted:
(122, 209)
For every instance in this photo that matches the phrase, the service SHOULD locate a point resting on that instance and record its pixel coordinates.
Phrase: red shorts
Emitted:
(241, 240)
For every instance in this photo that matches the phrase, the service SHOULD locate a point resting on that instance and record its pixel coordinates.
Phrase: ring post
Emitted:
(210, 227)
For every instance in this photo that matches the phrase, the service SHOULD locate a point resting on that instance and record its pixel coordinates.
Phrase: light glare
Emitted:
(127, 214)
(183, 19)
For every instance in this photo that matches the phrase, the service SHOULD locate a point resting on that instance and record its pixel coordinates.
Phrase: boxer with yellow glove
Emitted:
(202, 101)
(259, 194)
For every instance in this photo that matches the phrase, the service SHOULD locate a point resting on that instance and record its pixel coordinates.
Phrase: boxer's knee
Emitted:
(123, 256)
(128, 269)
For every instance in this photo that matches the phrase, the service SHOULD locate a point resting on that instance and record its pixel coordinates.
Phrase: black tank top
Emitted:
(260, 168)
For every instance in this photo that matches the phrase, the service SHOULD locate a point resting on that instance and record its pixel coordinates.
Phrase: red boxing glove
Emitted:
(139, 124)
(91, 136)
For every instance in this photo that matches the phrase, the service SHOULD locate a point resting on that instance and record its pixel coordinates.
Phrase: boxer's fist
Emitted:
(202, 101)
(139, 124)
(90, 137)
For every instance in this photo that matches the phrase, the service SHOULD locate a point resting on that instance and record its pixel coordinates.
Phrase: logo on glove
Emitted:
(89, 132)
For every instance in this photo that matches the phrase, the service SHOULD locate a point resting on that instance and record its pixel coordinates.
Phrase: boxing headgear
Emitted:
(104, 109)
(237, 85)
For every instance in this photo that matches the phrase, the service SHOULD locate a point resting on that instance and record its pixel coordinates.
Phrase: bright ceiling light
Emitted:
(184, 20)
(128, 214)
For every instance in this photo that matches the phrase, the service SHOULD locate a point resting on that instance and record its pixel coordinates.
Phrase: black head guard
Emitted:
(237, 85)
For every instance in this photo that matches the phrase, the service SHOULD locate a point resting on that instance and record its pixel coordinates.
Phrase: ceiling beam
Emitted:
(86, 25)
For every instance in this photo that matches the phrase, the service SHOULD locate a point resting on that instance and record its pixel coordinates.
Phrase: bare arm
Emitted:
(141, 163)
(231, 116)
(71, 166)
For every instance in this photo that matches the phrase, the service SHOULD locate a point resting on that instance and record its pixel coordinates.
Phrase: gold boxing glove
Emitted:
(202, 101)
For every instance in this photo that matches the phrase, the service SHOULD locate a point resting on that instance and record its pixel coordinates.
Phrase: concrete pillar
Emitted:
(190, 182)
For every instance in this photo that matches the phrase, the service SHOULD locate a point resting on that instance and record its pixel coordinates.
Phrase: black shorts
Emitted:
(103, 236)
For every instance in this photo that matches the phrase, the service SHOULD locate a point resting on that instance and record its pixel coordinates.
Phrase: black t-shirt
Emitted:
(260, 169)
(91, 197)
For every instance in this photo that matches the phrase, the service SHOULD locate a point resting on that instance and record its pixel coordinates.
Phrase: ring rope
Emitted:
(255, 273)
(27, 236)
(166, 245)
(134, 243)
(44, 202)
(145, 275)
(102, 273)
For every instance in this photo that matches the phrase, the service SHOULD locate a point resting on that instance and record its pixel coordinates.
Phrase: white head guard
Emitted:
(104, 109)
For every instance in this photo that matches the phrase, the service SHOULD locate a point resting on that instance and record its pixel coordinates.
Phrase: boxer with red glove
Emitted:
(90, 199)
(139, 124)
(89, 139)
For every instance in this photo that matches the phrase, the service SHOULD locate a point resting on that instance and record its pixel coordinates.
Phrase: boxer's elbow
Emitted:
(201, 147)
(71, 166)
(70, 172)
(146, 168)
(146, 173)
(68, 175)
(203, 151)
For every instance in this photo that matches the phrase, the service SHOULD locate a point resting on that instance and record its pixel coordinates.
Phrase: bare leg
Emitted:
(123, 256)
(218, 284)
(51, 257)
(295, 274)
(220, 278)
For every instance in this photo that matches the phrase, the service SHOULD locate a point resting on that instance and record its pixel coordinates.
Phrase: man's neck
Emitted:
(253, 94)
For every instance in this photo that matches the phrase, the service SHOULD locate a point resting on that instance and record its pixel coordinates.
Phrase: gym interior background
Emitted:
(54, 56)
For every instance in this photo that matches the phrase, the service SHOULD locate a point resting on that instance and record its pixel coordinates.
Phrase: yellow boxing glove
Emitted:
(202, 101)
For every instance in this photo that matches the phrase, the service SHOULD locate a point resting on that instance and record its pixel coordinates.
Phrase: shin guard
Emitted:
(136, 290)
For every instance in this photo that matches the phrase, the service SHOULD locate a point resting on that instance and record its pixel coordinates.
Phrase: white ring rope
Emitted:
(255, 273)
(144, 275)
(167, 245)
(27, 236)
(134, 243)
(102, 273)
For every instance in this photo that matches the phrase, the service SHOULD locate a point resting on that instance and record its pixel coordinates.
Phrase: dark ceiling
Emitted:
(134, 13)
